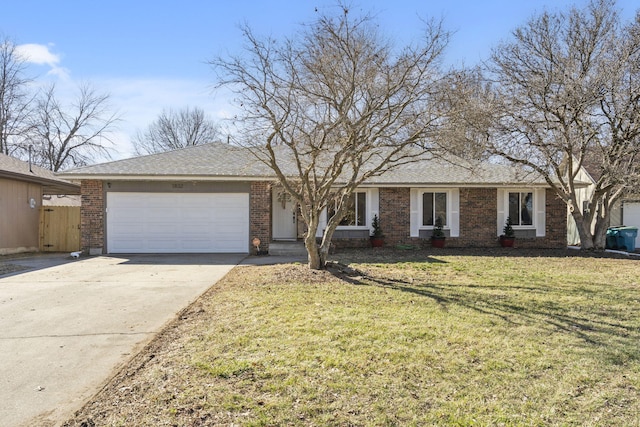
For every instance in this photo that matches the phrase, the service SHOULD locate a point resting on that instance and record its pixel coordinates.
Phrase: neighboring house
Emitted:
(624, 212)
(218, 198)
(629, 214)
(61, 199)
(583, 195)
(22, 187)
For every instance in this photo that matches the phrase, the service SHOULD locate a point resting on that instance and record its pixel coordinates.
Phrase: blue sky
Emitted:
(150, 55)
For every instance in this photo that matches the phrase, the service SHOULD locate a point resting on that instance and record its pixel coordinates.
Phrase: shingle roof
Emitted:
(457, 171)
(206, 160)
(219, 160)
(13, 168)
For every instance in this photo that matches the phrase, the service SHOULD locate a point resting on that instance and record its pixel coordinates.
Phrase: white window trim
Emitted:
(372, 208)
(421, 192)
(453, 210)
(367, 220)
(539, 209)
(533, 204)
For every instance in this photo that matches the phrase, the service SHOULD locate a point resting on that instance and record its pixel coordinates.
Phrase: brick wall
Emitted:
(395, 221)
(260, 214)
(395, 216)
(478, 214)
(92, 216)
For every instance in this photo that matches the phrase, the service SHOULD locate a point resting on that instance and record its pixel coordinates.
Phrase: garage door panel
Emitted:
(159, 245)
(160, 213)
(223, 221)
(128, 245)
(196, 246)
(194, 230)
(204, 215)
(168, 222)
(124, 230)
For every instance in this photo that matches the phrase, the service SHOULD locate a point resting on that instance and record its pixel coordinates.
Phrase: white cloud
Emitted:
(137, 101)
(41, 55)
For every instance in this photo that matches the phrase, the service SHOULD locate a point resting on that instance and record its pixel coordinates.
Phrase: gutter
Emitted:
(165, 178)
(74, 188)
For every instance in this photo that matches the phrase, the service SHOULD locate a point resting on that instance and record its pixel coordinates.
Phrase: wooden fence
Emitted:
(59, 228)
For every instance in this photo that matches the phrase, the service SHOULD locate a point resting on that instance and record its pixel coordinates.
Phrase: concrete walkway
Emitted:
(66, 325)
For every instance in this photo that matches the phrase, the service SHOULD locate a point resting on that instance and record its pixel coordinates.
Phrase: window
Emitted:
(355, 210)
(426, 204)
(521, 208)
(434, 205)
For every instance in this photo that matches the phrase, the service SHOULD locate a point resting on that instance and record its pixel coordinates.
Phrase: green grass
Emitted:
(450, 340)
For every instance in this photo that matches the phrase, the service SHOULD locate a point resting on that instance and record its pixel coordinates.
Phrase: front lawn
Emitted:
(444, 338)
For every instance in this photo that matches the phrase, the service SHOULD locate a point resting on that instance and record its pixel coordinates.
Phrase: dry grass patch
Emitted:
(446, 339)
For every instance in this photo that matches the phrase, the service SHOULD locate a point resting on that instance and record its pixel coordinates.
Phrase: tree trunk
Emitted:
(597, 238)
(600, 233)
(584, 231)
(318, 254)
(314, 255)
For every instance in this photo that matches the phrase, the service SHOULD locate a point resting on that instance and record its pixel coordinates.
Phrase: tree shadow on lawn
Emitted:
(393, 255)
(599, 330)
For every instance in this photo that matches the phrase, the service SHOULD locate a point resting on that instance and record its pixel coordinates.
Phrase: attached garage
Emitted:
(138, 222)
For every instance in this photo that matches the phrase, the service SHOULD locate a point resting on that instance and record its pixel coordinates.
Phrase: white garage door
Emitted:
(631, 218)
(177, 223)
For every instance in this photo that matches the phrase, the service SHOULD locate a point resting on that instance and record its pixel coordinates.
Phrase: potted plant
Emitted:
(508, 235)
(377, 238)
(438, 237)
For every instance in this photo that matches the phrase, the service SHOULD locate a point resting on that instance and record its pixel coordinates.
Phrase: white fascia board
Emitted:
(453, 185)
(165, 178)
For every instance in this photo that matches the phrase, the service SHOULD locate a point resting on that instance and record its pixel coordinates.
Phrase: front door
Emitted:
(284, 216)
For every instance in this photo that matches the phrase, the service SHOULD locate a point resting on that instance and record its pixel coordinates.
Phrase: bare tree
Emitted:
(176, 129)
(468, 114)
(66, 136)
(15, 100)
(332, 107)
(567, 96)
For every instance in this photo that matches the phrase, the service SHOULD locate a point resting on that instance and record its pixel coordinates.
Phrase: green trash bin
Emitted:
(626, 238)
(612, 238)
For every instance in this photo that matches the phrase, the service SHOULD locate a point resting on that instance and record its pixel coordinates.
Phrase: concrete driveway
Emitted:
(65, 326)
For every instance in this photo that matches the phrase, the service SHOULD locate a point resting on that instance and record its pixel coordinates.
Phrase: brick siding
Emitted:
(478, 214)
(260, 214)
(395, 216)
(91, 215)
